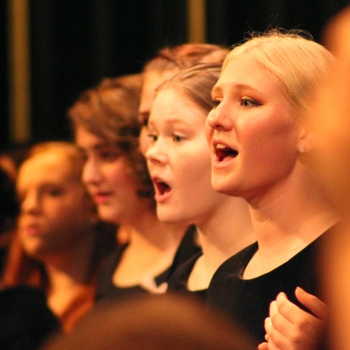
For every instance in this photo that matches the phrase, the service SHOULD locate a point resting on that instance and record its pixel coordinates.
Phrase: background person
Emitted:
(59, 244)
(107, 128)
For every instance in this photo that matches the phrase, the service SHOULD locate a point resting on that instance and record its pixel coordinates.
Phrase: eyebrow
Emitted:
(171, 121)
(238, 87)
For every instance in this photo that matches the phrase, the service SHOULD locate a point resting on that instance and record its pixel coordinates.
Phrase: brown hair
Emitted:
(110, 111)
(154, 322)
(185, 56)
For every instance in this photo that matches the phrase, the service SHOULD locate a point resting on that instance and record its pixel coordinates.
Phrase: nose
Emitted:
(155, 153)
(30, 204)
(91, 173)
(219, 119)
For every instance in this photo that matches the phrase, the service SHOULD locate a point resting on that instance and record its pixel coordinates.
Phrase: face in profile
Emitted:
(251, 131)
(55, 210)
(179, 160)
(110, 182)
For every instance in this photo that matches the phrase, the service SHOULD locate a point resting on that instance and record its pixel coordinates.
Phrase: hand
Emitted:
(290, 327)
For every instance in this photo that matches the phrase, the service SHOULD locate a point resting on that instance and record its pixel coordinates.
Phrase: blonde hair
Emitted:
(293, 56)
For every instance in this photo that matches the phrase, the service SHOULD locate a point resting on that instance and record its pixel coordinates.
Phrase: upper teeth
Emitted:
(219, 145)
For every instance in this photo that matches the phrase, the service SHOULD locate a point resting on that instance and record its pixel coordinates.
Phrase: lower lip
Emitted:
(32, 230)
(224, 163)
(101, 199)
(161, 198)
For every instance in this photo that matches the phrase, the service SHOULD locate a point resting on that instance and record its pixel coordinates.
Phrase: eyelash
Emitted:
(175, 137)
(215, 103)
(109, 156)
(251, 102)
(153, 137)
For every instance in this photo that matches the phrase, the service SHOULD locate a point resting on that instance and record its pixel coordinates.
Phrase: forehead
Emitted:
(49, 166)
(152, 79)
(173, 105)
(244, 70)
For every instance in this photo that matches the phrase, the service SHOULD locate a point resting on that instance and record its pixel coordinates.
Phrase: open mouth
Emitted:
(161, 186)
(222, 152)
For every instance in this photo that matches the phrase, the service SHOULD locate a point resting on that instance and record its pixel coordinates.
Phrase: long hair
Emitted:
(110, 111)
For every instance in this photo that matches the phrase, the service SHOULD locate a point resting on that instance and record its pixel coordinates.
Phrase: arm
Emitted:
(290, 327)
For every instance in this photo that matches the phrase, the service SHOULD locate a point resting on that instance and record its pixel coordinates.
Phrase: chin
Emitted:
(107, 216)
(223, 185)
(168, 216)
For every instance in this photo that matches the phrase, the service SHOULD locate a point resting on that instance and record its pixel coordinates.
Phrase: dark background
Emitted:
(75, 43)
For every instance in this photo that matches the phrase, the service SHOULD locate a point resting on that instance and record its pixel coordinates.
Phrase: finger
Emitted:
(263, 346)
(289, 310)
(315, 305)
(275, 338)
(272, 345)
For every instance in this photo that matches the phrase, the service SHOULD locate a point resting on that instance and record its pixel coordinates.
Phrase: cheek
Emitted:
(194, 170)
(144, 140)
(207, 129)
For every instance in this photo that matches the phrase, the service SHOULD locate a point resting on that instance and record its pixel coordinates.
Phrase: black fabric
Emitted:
(187, 248)
(178, 280)
(106, 288)
(25, 319)
(247, 301)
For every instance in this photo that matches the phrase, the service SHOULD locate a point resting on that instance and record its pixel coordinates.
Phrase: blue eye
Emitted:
(249, 102)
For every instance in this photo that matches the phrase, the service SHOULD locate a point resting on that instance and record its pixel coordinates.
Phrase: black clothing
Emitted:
(106, 288)
(25, 319)
(247, 300)
(187, 248)
(178, 280)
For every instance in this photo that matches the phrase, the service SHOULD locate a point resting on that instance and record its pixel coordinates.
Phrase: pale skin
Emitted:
(289, 327)
(287, 207)
(55, 224)
(151, 80)
(179, 155)
(152, 244)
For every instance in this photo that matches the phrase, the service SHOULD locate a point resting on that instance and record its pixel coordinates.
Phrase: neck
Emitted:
(226, 231)
(148, 232)
(72, 265)
(287, 224)
(68, 272)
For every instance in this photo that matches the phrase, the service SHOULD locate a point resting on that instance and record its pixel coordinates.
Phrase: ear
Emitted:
(306, 139)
